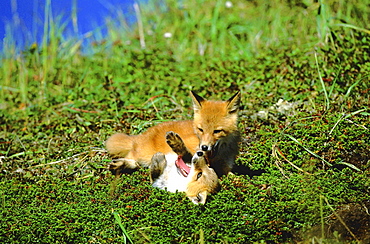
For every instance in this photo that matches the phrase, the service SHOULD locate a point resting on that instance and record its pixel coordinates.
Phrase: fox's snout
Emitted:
(204, 147)
(210, 146)
(207, 139)
(198, 159)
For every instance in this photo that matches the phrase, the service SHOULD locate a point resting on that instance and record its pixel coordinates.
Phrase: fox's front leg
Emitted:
(178, 146)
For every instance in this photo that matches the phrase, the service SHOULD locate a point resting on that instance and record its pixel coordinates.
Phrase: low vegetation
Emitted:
(303, 70)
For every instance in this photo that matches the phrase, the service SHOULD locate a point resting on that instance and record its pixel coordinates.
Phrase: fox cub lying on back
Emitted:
(170, 172)
(213, 130)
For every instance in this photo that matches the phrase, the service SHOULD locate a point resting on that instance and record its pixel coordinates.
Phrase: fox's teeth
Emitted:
(184, 172)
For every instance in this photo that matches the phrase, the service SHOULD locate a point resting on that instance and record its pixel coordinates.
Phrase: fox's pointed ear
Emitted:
(197, 101)
(200, 198)
(233, 103)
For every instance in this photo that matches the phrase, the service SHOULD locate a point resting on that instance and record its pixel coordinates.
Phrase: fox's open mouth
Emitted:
(183, 168)
(207, 161)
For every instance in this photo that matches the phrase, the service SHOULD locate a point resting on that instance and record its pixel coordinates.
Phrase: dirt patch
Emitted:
(353, 225)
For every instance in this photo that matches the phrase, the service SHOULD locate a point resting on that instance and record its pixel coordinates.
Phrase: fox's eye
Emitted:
(217, 131)
(200, 129)
(199, 175)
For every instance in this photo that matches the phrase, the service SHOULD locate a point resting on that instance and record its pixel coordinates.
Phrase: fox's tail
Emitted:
(119, 145)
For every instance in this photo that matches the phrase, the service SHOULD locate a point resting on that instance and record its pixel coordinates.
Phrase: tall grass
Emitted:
(186, 30)
(30, 71)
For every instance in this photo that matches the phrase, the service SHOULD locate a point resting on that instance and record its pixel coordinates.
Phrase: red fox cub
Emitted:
(213, 130)
(170, 172)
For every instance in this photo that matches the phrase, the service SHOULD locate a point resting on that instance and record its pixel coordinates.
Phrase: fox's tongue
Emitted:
(181, 165)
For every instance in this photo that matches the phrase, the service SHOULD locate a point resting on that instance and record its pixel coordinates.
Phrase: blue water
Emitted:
(23, 20)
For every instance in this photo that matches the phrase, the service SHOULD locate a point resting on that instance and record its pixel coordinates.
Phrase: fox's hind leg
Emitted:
(178, 146)
(157, 166)
(119, 166)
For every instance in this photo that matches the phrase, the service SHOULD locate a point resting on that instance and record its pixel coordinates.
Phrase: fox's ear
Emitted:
(197, 101)
(233, 103)
(200, 198)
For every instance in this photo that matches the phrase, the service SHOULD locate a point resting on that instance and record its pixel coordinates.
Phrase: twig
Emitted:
(340, 218)
(153, 98)
(356, 124)
(295, 166)
(277, 161)
(83, 110)
(59, 161)
(79, 168)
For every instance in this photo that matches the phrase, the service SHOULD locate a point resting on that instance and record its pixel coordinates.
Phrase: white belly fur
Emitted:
(171, 180)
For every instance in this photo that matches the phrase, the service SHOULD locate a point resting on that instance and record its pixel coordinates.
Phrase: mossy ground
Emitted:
(304, 120)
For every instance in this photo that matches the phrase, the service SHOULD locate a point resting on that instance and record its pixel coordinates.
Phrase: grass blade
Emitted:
(201, 236)
(119, 222)
(345, 116)
(353, 27)
(352, 86)
(318, 156)
(327, 101)
(350, 166)
(308, 150)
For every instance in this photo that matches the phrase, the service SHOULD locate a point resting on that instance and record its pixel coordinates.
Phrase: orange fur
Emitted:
(216, 124)
(214, 130)
(199, 187)
(138, 150)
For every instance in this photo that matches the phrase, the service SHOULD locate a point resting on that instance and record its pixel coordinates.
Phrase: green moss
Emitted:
(54, 182)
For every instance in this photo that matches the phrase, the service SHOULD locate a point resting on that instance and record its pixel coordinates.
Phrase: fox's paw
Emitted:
(157, 166)
(115, 164)
(120, 166)
(176, 143)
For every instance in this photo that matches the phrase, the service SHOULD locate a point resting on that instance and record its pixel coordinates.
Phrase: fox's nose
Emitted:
(200, 153)
(204, 147)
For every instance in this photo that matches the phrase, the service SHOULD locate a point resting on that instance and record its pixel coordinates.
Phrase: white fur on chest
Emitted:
(172, 179)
